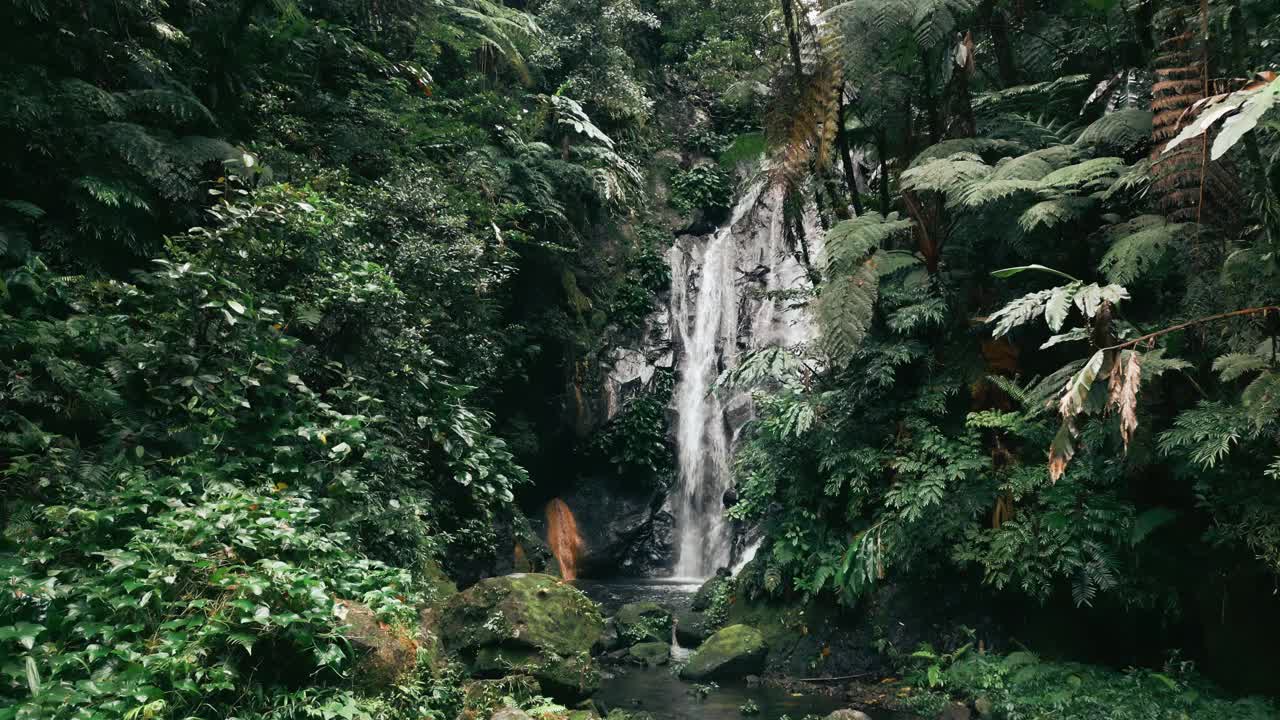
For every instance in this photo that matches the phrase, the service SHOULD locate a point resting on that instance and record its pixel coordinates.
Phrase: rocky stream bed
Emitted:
(643, 649)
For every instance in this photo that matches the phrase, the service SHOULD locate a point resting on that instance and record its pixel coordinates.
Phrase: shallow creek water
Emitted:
(660, 692)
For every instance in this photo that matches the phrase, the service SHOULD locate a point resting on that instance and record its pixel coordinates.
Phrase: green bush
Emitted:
(702, 187)
(1021, 686)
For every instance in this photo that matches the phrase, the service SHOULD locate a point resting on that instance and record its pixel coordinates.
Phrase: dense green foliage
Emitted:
(1021, 686)
(1047, 275)
(277, 281)
(299, 302)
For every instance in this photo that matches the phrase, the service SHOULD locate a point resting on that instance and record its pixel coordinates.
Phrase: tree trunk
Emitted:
(882, 149)
(997, 25)
(793, 36)
(842, 146)
(960, 122)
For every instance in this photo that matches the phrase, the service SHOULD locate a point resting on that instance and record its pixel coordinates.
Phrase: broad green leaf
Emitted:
(1011, 271)
(33, 676)
(1247, 119)
(1055, 311)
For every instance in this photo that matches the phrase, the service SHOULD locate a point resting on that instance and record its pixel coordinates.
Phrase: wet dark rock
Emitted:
(651, 654)
(643, 622)
(625, 532)
(902, 612)
(955, 711)
(702, 598)
(616, 657)
(692, 628)
(609, 640)
(730, 654)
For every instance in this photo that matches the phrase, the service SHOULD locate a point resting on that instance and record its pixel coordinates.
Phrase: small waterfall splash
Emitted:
(563, 537)
(714, 319)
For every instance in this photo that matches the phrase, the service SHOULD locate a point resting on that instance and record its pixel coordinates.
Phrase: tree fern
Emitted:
(1030, 130)
(1087, 176)
(1234, 366)
(770, 365)
(844, 310)
(945, 175)
(1050, 214)
(1054, 95)
(1135, 254)
(1123, 133)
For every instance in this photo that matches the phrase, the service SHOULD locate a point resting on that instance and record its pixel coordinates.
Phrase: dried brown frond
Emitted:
(802, 122)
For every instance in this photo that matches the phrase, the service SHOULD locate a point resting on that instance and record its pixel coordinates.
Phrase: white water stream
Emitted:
(709, 282)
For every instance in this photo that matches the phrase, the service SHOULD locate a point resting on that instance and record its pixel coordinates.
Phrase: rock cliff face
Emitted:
(743, 287)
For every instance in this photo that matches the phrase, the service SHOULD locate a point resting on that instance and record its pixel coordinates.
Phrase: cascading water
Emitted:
(707, 305)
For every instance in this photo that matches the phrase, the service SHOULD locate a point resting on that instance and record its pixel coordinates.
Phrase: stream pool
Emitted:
(659, 692)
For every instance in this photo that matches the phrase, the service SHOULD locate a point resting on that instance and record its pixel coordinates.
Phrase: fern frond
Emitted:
(1123, 133)
(992, 191)
(1054, 95)
(945, 175)
(1233, 366)
(1087, 176)
(1019, 312)
(1135, 254)
(850, 243)
(844, 310)
(1049, 214)
(766, 366)
(1031, 131)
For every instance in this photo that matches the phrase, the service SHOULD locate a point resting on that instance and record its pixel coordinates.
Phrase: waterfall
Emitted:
(563, 537)
(708, 277)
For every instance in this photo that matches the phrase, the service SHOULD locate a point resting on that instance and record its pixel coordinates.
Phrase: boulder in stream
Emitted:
(729, 654)
(643, 622)
(692, 628)
(702, 598)
(848, 714)
(651, 653)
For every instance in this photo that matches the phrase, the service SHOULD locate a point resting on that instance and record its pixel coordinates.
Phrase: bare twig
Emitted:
(1191, 323)
(839, 677)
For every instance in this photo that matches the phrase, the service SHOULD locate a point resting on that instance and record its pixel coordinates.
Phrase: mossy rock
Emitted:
(439, 587)
(617, 714)
(610, 640)
(731, 653)
(643, 622)
(525, 610)
(692, 628)
(480, 698)
(702, 598)
(651, 653)
(386, 653)
(567, 679)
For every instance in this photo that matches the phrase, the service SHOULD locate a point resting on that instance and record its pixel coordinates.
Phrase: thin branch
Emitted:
(1191, 323)
(841, 677)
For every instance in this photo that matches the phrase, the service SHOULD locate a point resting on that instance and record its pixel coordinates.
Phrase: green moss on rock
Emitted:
(563, 678)
(526, 610)
(731, 653)
(643, 622)
(530, 624)
(702, 598)
(692, 628)
(651, 653)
